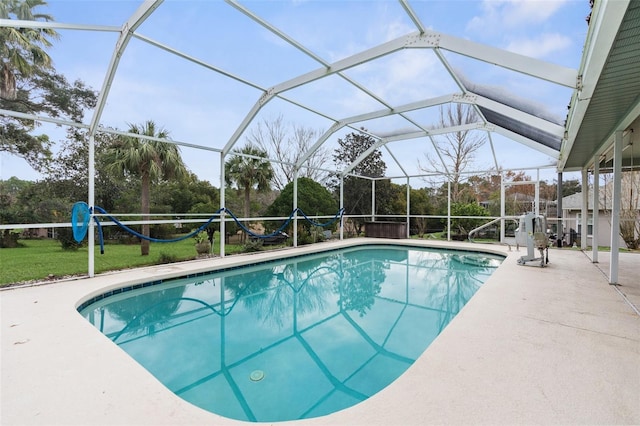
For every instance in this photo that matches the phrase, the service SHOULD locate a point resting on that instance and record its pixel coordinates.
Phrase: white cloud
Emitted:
(540, 46)
(497, 15)
(523, 12)
(395, 28)
(403, 77)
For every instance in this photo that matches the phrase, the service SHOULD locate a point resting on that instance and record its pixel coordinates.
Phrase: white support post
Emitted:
(615, 208)
(408, 206)
(502, 208)
(373, 200)
(584, 213)
(449, 210)
(537, 193)
(560, 213)
(341, 207)
(126, 32)
(596, 210)
(223, 238)
(91, 201)
(295, 206)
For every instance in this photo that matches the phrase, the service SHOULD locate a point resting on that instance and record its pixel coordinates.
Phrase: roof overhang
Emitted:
(607, 99)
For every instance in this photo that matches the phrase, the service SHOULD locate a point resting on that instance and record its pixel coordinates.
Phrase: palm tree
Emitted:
(149, 160)
(22, 50)
(248, 171)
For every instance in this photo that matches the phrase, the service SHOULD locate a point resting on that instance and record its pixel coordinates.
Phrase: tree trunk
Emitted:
(8, 83)
(144, 244)
(247, 209)
(247, 202)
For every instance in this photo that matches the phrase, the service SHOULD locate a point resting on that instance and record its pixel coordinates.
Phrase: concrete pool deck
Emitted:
(554, 345)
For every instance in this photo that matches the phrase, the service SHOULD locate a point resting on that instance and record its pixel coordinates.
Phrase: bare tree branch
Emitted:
(287, 143)
(457, 149)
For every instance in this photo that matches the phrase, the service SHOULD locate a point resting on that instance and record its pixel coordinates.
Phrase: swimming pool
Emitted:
(294, 338)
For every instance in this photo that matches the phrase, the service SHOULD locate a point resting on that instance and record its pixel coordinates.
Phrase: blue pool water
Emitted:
(296, 338)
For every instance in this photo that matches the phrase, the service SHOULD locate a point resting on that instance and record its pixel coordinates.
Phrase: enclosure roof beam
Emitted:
(266, 96)
(500, 57)
(433, 132)
(275, 31)
(523, 64)
(196, 61)
(372, 115)
(468, 98)
(346, 63)
(307, 52)
(493, 151)
(300, 47)
(126, 32)
(336, 67)
(402, 169)
(526, 141)
(156, 139)
(362, 156)
(516, 114)
(454, 75)
(411, 135)
(18, 23)
(100, 129)
(226, 74)
(453, 129)
(33, 117)
(414, 17)
(321, 140)
(439, 100)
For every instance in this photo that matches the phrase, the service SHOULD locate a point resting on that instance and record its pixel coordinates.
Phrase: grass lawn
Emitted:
(38, 260)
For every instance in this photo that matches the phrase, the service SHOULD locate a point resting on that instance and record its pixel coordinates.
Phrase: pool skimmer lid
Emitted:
(256, 375)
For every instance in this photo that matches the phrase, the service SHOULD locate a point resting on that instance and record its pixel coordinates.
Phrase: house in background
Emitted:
(572, 212)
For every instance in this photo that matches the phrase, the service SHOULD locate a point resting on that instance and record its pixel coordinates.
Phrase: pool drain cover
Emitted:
(256, 375)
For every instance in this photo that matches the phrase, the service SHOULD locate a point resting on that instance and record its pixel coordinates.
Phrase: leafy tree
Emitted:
(357, 191)
(187, 195)
(36, 202)
(420, 204)
(287, 143)
(11, 211)
(30, 85)
(570, 187)
(181, 195)
(23, 49)
(31, 202)
(484, 187)
(462, 226)
(70, 170)
(313, 199)
(10, 190)
(247, 171)
(149, 160)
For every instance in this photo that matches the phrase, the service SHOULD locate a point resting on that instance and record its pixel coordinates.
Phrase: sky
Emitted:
(202, 107)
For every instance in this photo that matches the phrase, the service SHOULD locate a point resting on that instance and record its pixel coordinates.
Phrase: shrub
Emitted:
(251, 246)
(65, 237)
(462, 226)
(167, 258)
(9, 238)
(162, 232)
